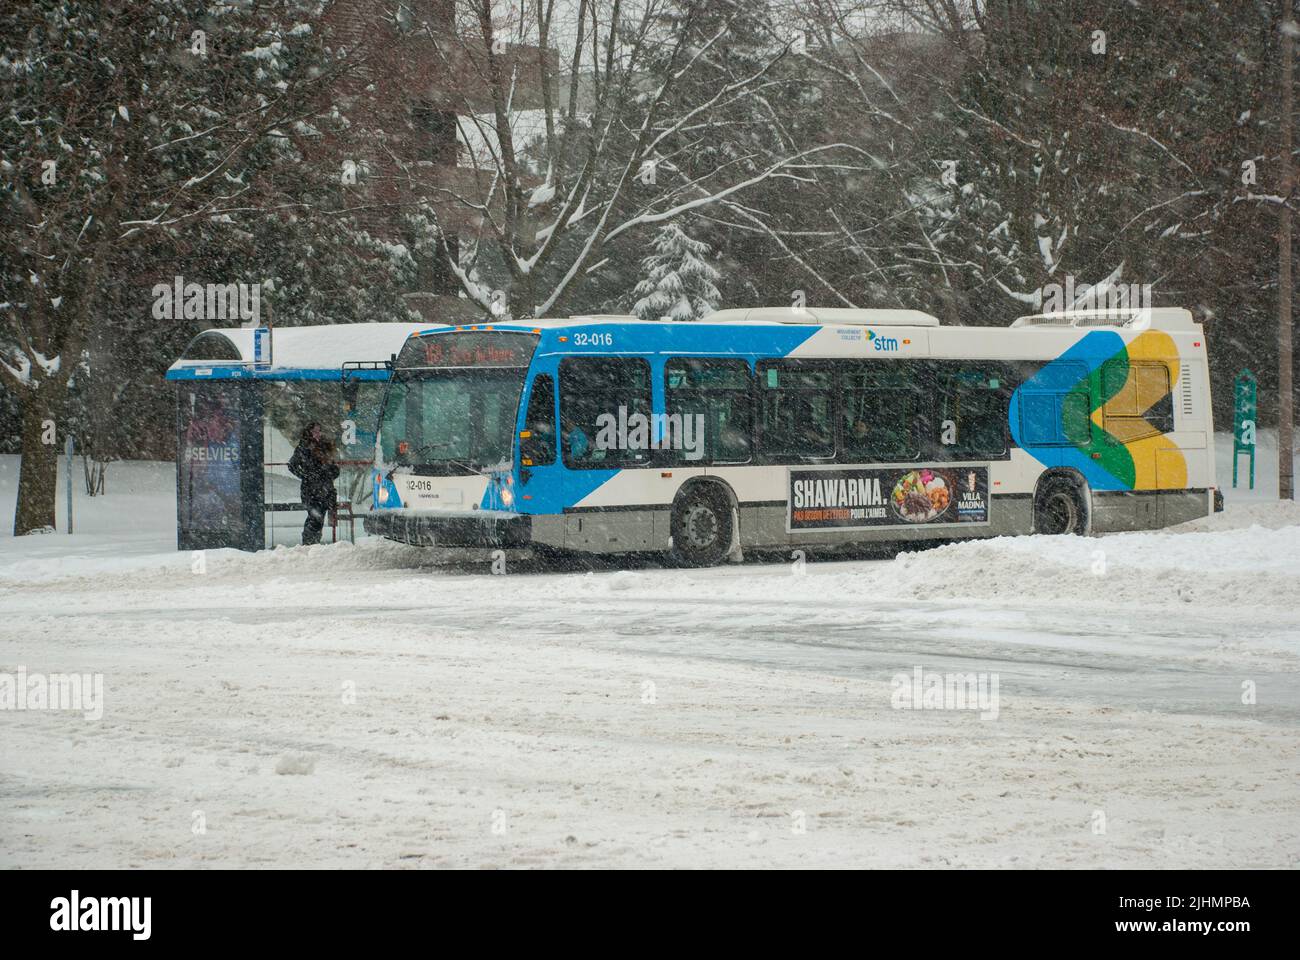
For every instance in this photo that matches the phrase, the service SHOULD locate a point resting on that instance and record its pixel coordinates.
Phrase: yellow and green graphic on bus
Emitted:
(1106, 408)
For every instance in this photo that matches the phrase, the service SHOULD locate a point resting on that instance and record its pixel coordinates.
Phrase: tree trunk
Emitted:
(523, 298)
(93, 471)
(38, 468)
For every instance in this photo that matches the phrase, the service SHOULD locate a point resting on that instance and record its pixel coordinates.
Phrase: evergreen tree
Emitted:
(152, 157)
(678, 283)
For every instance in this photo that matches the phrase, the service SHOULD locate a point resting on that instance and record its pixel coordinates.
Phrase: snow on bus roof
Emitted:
(825, 316)
(1157, 318)
(316, 353)
(551, 323)
(1160, 318)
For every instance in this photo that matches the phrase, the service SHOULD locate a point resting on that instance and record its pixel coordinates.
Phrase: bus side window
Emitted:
(972, 418)
(881, 406)
(538, 448)
(599, 398)
(1054, 405)
(1141, 403)
(712, 400)
(1054, 419)
(798, 404)
(1155, 395)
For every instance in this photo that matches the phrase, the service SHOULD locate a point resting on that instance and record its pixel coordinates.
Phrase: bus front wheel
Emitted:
(701, 528)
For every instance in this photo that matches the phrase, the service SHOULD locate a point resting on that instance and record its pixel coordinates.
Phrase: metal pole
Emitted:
(1285, 411)
(67, 449)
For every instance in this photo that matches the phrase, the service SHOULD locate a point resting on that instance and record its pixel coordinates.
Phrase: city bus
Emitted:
(775, 428)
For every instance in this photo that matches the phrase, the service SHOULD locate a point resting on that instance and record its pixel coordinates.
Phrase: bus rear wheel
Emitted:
(1059, 508)
(701, 528)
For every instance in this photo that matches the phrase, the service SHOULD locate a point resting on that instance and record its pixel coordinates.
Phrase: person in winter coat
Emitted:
(313, 463)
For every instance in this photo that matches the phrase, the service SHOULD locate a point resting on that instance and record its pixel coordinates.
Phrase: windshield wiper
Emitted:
(408, 455)
(466, 465)
(463, 464)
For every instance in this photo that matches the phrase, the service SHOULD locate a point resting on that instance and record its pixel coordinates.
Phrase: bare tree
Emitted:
(555, 186)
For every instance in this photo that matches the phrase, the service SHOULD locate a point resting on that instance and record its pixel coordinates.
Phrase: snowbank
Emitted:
(1226, 561)
(1248, 554)
(1223, 568)
(1218, 572)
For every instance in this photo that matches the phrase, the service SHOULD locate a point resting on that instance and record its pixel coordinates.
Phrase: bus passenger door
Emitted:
(539, 486)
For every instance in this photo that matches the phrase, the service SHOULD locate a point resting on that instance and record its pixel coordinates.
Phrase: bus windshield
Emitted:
(459, 417)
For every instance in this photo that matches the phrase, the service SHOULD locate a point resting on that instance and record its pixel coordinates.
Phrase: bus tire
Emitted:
(1059, 508)
(701, 527)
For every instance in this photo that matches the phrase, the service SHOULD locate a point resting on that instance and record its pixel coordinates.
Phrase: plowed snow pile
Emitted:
(1228, 567)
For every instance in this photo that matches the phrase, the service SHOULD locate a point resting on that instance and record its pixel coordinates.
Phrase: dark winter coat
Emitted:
(310, 464)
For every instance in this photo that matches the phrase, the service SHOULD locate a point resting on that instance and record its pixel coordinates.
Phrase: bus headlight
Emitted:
(507, 496)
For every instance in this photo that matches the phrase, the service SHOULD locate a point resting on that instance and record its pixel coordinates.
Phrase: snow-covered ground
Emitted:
(352, 706)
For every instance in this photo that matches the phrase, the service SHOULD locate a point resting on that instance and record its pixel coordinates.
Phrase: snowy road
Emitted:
(345, 707)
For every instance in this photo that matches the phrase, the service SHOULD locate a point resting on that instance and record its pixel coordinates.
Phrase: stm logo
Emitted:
(883, 343)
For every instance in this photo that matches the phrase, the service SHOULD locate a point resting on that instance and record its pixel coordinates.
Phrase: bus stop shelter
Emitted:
(244, 396)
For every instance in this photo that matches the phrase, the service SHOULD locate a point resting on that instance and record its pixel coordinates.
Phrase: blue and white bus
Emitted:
(774, 428)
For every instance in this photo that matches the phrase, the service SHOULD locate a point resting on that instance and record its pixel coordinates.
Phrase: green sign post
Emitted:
(1243, 422)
